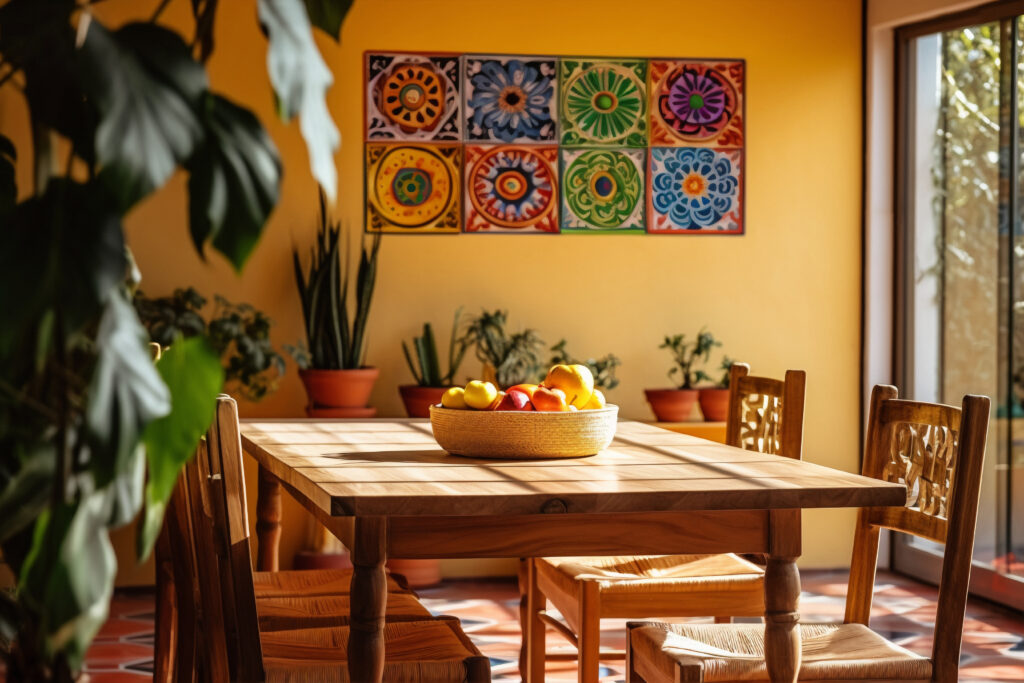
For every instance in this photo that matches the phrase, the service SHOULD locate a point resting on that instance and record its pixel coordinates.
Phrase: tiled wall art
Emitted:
(413, 188)
(527, 144)
(511, 188)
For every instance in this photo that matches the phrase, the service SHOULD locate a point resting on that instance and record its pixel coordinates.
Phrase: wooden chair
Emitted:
(937, 451)
(765, 415)
(240, 637)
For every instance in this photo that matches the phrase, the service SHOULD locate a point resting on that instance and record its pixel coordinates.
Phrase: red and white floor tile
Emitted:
(904, 611)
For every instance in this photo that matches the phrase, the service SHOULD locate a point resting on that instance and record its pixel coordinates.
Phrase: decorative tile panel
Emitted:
(603, 102)
(413, 188)
(413, 97)
(511, 188)
(510, 99)
(697, 104)
(695, 190)
(603, 190)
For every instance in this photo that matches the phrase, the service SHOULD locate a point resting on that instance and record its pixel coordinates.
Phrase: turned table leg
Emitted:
(368, 600)
(782, 598)
(524, 614)
(268, 521)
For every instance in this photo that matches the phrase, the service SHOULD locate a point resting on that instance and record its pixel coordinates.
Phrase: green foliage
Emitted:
(238, 333)
(426, 358)
(300, 79)
(686, 355)
(515, 357)
(191, 369)
(726, 368)
(334, 342)
(602, 368)
(83, 410)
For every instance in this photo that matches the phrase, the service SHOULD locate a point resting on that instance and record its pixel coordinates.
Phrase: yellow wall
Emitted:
(785, 295)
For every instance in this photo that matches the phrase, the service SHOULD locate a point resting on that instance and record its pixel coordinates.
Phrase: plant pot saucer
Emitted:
(324, 412)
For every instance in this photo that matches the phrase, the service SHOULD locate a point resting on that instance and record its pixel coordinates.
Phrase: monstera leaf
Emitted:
(328, 15)
(126, 392)
(68, 575)
(300, 79)
(147, 88)
(235, 178)
(193, 374)
(8, 188)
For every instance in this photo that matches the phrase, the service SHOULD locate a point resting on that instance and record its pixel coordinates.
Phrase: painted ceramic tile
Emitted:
(603, 102)
(695, 190)
(510, 99)
(511, 188)
(603, 190)
(412, 97)
(697, 104)
(413, 188)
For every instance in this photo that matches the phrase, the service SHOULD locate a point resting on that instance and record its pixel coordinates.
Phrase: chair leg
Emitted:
(524, 614)
(535, 635)
(166, 637)
(590, 632)
(631, 675)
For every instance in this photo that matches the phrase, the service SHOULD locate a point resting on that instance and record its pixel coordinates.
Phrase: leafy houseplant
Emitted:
(239, 333)
(331, 363)
(425, 366)
(676, 405)
(602, 368)
(92, 432)
(714, 400)
(508, 359)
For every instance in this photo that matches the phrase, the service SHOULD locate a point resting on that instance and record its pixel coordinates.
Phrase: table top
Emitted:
(393, 467)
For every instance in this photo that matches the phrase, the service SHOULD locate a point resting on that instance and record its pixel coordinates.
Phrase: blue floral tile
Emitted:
(695, 190)
(510, 99)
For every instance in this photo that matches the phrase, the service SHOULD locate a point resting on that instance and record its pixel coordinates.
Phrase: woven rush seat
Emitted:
(312, 582)
(652, 573)
(279, 614)
(735, 652)
(416, 652)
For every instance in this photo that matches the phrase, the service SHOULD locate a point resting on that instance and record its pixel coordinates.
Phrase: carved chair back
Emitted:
(766, 414)
(937, 451)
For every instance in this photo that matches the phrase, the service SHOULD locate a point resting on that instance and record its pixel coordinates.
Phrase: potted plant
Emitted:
(676, 405)
(508, 359)
(602, 368)
(239, 333)
(332, 368)
(426, 369)
(714, 401)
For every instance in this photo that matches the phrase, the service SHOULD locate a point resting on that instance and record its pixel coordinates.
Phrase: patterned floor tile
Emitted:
(904, 611)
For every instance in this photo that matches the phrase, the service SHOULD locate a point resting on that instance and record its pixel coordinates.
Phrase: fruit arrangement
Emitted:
(565, 388)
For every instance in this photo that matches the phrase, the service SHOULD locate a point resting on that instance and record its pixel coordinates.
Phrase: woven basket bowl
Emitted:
(523, 435)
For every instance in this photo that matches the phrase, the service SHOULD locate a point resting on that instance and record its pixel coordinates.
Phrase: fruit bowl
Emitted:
(523, 435)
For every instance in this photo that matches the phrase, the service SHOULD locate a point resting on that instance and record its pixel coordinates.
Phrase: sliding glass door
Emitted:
(960, 260)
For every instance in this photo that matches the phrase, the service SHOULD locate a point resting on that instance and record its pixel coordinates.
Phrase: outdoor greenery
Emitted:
(91, 431)
(688, 357)
(602, 368)
(239, 333)
(513, 357)
(333, 341)
(426, 365)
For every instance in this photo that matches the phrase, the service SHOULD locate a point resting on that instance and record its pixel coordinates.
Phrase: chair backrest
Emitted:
(220, 466)
(766, 414)
(937, 451)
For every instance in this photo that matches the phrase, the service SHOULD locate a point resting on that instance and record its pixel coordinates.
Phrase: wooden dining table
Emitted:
(385, 488)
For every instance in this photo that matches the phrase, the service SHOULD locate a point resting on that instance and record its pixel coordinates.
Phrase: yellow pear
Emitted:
(575, 380)
(454, 398)
(480, 395)
(596, 401)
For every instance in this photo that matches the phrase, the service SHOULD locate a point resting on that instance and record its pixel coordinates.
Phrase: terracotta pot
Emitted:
(714, 403)
(418, 399)
(672, 405)
(418, 573)
(339, 388)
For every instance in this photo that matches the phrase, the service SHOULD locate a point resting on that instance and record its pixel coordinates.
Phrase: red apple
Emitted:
(515, 400)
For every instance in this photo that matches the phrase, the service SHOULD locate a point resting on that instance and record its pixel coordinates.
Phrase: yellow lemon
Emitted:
(480, 395)
(596, 401)
(575, 380)
(454, 398)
